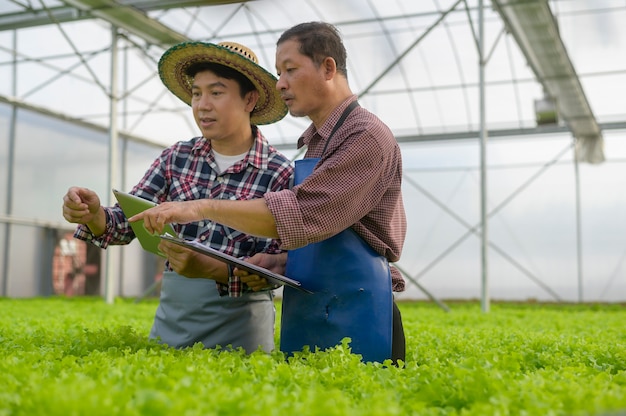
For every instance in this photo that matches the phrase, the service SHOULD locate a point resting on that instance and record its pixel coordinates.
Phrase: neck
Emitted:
(234, 145)
(334, 100)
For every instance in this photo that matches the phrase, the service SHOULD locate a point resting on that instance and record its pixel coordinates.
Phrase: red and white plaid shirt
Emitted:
(357, 184)
(187, 171)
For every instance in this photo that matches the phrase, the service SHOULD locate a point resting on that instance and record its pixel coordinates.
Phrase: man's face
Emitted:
(218, 108)
(300, 81)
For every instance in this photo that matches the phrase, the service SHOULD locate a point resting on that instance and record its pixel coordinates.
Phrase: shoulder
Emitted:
(369, 128)
(276, 156)
(185, 147)
(367, 120)
(278, 161)
(275, 159)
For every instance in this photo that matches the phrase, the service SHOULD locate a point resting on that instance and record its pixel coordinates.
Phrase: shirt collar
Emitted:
(257, 155)
(328, 125)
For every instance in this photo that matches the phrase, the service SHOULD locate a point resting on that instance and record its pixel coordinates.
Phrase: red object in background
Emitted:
(70, 267)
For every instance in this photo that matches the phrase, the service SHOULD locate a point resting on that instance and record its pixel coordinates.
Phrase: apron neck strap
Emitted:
(344, 115)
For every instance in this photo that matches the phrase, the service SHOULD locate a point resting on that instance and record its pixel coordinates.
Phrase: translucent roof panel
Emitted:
(415, 63)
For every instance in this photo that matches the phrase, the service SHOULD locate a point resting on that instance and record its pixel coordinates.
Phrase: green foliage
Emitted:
(81, 356)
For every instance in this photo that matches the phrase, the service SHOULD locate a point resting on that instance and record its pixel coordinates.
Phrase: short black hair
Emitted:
(318, 40)
(222, 71)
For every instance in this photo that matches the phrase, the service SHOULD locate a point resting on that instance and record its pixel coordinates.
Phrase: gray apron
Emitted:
(191, 311)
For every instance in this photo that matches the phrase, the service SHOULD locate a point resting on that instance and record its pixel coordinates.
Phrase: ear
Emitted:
(330, 68)
(251, 99)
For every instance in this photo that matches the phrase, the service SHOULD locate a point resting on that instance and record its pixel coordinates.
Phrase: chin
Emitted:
(296, 113)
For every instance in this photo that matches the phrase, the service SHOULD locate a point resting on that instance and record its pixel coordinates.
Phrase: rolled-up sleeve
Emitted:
(289, 220)
(117, 232)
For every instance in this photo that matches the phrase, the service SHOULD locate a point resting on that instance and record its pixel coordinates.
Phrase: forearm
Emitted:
(199, 266)
(98, 224)
(251, 217)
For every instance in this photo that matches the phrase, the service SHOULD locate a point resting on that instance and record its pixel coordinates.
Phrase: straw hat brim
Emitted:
(174, 63)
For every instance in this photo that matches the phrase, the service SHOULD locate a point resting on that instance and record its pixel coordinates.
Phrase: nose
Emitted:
(203, 102)
(281, 84)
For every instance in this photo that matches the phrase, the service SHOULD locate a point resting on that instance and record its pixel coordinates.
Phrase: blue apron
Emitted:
(352, 293)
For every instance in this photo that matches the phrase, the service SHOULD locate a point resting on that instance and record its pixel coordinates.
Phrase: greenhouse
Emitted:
(510, 116)
(511, 123)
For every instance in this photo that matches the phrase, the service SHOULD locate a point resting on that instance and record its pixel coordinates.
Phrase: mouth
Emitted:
(205, 121)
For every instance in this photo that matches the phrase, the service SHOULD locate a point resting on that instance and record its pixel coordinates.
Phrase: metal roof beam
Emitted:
(174, 4)
(41, 17)
(131, 20)
(70, 13)
(539, 132)
(535, 30)
(530, 132)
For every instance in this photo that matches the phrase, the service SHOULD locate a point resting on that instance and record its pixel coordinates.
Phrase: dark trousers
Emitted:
(398, 342)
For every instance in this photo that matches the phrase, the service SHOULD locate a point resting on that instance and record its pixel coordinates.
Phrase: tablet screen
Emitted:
(132, 205)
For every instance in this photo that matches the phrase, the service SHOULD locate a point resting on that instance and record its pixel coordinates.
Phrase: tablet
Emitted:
(270, 276)
(132, 205)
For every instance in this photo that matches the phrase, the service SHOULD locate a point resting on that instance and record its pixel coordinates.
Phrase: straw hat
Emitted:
(174, 63)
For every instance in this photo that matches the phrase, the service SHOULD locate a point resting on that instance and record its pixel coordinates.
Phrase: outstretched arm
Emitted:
(251, 217)
(82, 206)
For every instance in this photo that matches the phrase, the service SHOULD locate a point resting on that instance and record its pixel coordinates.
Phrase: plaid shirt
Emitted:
(187, 171)
(357, 184)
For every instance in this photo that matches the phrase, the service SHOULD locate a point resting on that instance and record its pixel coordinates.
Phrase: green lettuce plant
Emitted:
(81, 356)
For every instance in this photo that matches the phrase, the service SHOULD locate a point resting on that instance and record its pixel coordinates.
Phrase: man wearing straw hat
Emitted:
(229, 94)
(344, 219)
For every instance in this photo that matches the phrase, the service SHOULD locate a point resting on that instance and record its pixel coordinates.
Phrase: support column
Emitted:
(10, 168)
(113, 166)
(485, 301)
(579, 244)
